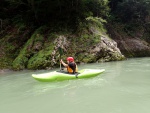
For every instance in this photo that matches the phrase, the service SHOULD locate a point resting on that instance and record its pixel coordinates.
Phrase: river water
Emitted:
(123, 88)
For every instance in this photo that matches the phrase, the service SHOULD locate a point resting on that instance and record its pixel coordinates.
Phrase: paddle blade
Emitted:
(60, 51)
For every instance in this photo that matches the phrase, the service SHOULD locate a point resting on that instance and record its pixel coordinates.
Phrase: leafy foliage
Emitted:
(134, 15)
(52, 12)
(130, 10)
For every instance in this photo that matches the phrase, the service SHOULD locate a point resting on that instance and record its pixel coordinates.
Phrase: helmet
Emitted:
(71, 59)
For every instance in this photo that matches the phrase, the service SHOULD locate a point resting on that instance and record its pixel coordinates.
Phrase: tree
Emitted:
(129, 10)
(39, 12)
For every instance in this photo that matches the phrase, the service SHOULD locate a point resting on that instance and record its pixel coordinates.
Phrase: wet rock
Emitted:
(106, 50)
(133, 47)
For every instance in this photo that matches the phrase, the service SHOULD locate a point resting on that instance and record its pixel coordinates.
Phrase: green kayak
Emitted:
(59, 75)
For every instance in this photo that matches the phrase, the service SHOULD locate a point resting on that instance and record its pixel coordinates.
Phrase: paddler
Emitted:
(71, 66)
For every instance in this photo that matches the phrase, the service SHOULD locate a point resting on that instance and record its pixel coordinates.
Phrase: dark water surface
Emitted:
(123, 88)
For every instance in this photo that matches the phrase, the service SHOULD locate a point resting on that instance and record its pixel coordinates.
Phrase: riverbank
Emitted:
(4, 70)
(91, 31)
(132, 43)
(39, 49)
(24, 48)
(94, 40)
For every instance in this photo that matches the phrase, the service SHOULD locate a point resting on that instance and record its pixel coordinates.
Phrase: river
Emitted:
(123, 88)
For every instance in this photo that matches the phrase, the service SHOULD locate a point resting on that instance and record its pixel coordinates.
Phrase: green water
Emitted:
(123, 88)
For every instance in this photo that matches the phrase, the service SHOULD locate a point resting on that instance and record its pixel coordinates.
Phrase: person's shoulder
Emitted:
(71, 63)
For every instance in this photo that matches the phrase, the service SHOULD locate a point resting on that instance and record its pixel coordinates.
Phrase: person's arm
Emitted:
(64, 64)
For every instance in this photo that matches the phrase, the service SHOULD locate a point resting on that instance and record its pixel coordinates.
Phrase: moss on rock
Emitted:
(32, 46)
(42, 59)
(88, 44)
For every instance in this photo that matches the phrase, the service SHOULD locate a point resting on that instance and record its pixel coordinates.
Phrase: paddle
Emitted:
(61, 53)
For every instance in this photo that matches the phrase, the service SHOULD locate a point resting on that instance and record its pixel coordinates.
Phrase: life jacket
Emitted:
(72, 67)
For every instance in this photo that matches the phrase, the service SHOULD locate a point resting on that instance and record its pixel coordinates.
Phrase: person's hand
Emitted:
(61, 61)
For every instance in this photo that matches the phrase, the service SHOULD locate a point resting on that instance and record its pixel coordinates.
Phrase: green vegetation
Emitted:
(28, 27)
(132, 14)
(56, 13)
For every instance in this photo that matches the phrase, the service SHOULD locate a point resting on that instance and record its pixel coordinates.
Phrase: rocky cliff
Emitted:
(90, 43)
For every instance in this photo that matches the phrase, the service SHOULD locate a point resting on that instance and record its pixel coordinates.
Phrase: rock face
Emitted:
(88, 44)
(133, 47)
(105, 50)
